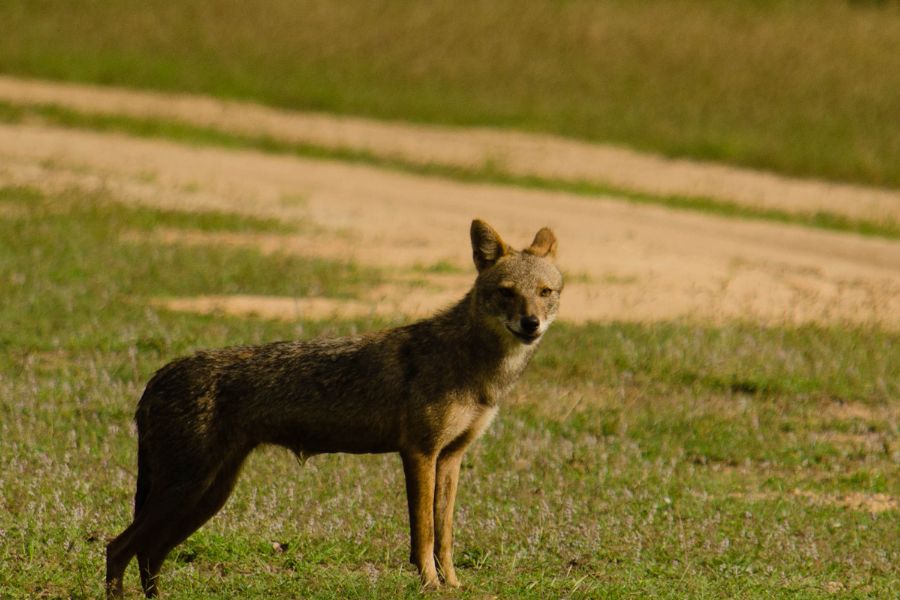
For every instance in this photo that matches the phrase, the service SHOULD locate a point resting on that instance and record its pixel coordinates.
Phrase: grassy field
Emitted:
(798, 87)
(655, 461)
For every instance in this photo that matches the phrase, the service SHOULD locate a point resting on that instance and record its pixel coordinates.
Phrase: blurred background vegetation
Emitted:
(804, 88)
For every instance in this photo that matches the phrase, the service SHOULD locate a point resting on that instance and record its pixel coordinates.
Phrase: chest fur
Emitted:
(508, 371)
(465, 423)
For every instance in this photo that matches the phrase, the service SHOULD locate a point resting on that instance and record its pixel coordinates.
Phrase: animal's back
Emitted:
(348, 394)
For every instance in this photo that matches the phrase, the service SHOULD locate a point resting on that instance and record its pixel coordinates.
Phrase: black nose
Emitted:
(530, 324)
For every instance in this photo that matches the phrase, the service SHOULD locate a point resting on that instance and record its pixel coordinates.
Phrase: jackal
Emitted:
(425, 390)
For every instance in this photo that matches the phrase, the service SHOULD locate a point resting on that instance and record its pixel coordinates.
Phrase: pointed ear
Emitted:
(544, 244)
(487, 246)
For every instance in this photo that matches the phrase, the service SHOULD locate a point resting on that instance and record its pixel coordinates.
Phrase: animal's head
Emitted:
(517, 292)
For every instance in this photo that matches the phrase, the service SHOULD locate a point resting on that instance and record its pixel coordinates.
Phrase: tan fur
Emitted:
(460, 420)
(426, 390)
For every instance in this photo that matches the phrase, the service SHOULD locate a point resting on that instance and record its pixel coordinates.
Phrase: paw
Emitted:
(431, 583)
(447, 572)
(114, 588)
(450, 580)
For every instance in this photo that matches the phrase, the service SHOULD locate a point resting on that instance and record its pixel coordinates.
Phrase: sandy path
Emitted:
(517, 153)
(624, 261)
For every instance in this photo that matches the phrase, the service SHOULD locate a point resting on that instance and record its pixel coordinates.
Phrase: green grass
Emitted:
(488, 173)
(803, 88)
(652, 461)
(75, 272)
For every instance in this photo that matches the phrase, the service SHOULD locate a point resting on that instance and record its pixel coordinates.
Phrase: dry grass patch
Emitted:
(859, 501)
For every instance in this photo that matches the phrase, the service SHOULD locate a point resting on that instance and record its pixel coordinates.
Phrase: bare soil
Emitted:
(515, 152)
(859, 501)
(623, 261)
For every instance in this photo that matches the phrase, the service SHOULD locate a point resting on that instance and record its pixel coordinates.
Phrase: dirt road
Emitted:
(623, 261)
(517, 153)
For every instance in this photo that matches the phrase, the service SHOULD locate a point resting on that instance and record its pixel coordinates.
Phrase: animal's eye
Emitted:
(545, 293)
(507, 292)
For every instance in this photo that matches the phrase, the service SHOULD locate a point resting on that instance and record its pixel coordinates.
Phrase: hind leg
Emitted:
(148, 583)
(189, 519)
(117, 557)
(155, 515)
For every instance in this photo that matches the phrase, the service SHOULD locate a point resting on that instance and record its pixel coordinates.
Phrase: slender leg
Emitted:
(117, 557)
(189, 520)
(420, 473)
(144, 568)
(144, 531)
(149, 575)
(446, 481)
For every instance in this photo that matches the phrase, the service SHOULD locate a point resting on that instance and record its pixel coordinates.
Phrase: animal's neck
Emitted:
(482, 352)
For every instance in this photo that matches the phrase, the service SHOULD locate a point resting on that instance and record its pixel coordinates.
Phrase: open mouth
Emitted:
(525, 337)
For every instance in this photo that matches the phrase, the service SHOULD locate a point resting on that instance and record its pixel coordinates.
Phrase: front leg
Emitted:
(420, 474)
(447, 478)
